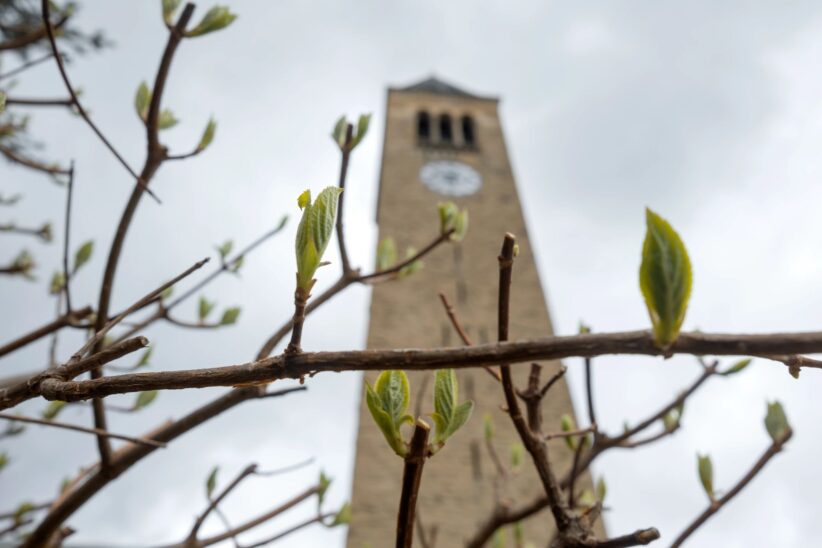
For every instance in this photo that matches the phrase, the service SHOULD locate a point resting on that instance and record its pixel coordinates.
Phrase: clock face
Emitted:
(450, 178)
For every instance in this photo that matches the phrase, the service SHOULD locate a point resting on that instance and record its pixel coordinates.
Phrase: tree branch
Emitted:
(63, 321)
(67, 426)
(411, 480)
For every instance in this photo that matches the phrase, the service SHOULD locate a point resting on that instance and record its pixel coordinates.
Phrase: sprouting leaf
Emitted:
(4, 460)
(412, 267)
(215, 19)
(706, 474)
(53, 409)
(169, 7)
(386, 253)
(362, 129)
(322, 488)
(519, 534)
(24, 264)
(737, 367)
(338, 133)
(58, 282)
(449, 416)
(167, 120)
(46, 232)
(83, 254)
(388, 401)
(776, 422)
(343, 516)
(517, 452)
(499, 539)
(204, 308)
(144, 399)
(230, 316)
(225, 249)
(665, 278)
(602, 489)
(587, 499)
(566, 422)
(448, 212)
(488, 427)
(314, 233)
(211, 481)
(2, 101)
(142, 101)
(208, 134)
(460, 226)
(145, 357)
(22, 510)
(167, 293)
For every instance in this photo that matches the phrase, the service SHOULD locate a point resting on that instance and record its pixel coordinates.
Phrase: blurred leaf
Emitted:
(517, 452)
(169, 7)
(230, 316)
(211, 482)
(706, 474)
(144, 399)
(488, 427)
(460, 226)
(4, 460)
(776, 422)
(53, 409)
(322, 488)
(58, 282)
(449, 416)
(167, 293)
(208, 134)
(225, 249)
(386, 253)
(338, 133)
(519, 534)
(447, 212)
(343, 516)
(362, 129)
(388, 401)
(602, 489)
(204, 308)
(737, 367)
(83, 254)
(167, 120)
(567, 425)
(665, 279)
(2, 101)
(215, 19)
(237, 264)
(46, 232)
(498, 541)
(145, 358)
(413, 267)
(142, 101)
(22, 510)
(587, 499)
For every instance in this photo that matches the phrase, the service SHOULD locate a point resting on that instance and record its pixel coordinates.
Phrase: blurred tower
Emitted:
(442, 143)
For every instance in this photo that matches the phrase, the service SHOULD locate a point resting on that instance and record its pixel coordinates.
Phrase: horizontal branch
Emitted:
(67, 426)
(547, 348)
(47, 329)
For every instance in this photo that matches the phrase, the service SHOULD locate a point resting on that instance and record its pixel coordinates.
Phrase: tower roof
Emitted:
(439, 87)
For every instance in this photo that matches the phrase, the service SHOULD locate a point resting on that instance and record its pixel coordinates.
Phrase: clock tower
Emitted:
(443, 143)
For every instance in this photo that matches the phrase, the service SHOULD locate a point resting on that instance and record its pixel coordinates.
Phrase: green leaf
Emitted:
(461, 415)
(384, 422)
(204, 308)
(567, 425)
(343, 516)
(2, 101)
(144, 399)
(488, 427)
(602, 489)
(169, 7)
(519, 534)
(167, 120)
(83, 254)
(323, 485)
(706, 474)
(53, 409)
(737, 367)
(413, 267)
(776, 422)
(587, 499)
(449, 416)
(499, 539)
(46, 232)
(21, 512)
(386, 253)
(460, 226)
(142, 101)
(208, 134)
(338, 133)
(230, 316)
(211, 482)
(314, 233)
(215, 19)
(225, 249)
(665, 279)
(58, 282)
(362, 129)
(448, 212)
(4, 460)
(144, 358)
(394, 392)
(517, 452)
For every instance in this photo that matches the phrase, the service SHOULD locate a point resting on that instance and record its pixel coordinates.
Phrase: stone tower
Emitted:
(442, 143)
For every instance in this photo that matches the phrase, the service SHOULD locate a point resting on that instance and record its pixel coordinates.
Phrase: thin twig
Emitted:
(66, 234)
(411, 480)
(63, 321)
(715, 506)
(67, 426)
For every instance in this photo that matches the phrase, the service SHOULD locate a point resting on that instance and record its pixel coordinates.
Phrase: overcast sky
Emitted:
(707, 112)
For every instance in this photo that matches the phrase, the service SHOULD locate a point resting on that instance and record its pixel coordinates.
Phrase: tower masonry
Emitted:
(443, 143)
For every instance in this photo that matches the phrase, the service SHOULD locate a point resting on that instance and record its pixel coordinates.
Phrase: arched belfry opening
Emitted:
(446, 130)
(469, 137)
(423, 127)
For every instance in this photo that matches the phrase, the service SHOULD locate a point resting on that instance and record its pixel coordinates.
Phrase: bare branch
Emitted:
(411, 480)
(95, 431)
(63, 321)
